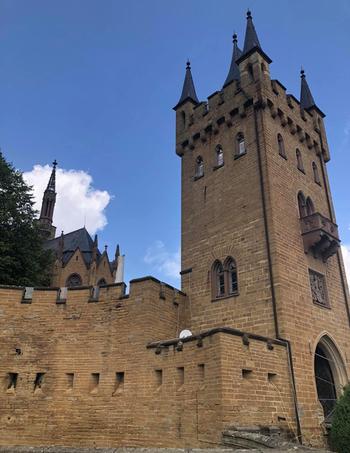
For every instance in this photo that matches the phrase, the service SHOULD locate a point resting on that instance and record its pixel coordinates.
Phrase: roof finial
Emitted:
(188, 64)
(302, 73)
(249, 14)
(234, 38)
(54, 164)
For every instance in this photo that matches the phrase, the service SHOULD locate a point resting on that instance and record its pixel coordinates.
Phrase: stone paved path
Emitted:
(154, 450)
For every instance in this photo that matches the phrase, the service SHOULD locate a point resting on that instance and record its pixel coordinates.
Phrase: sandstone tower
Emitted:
(260, 246)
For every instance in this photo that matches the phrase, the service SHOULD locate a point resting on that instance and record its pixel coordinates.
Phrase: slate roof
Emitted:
(306, 98)
(188, 89)
(71, 241)
(251, 41)
(233, 73)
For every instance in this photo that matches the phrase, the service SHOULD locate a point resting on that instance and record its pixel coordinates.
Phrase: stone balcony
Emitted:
(320, 236)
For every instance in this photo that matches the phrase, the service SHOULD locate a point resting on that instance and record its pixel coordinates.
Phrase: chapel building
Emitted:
(77, 258)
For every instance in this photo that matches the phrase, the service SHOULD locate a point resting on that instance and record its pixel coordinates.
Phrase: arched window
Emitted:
(281, 149)
(219, 156)
(330, 374)
(218, 278)
(316, 175)
(299, 161)
(183, 119)
(74, 280)
(250, 71)
(240, 145)
(231, 276)
(310, 209)
(101, 282)
(199, 167)
(302, 205)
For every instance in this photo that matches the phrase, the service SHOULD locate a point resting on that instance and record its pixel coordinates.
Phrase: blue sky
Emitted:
(92, 84)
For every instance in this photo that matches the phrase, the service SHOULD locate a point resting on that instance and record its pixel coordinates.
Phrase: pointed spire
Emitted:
(306, 99)
(61, 245)
(233, 73)
(117, 252)
(52, 181)
(188, 90)
(95, 248)
(251, 40)
(48, 206)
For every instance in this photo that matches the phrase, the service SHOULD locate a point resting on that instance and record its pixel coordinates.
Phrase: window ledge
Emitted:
(318, 183)
(197, 177)
(226, 296)
(237, 156)
(283, 156)
(217, 167)
(301, 170)
(327, 307)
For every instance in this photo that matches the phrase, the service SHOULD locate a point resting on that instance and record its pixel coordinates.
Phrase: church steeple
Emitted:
(48, 206)
(251, 41)
(233, 73)
(188, 90)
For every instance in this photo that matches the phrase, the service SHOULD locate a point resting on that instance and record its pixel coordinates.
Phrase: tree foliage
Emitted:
(23, 261)
(340, 432)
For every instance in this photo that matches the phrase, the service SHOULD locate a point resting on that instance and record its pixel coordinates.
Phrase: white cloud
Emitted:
(162, 260)
(77, 202)
(346, 256)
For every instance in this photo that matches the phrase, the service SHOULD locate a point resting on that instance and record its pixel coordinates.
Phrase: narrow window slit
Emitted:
(119, 382)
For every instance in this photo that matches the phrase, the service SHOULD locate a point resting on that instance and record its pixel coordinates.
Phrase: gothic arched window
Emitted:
(74, 280)
(219, 156)
(299, 161)
(281, 149)
(218, 278)
(231, 275)
(240, 145)
(310, 209)
(302, 205)
(316, 174)
(199, 171)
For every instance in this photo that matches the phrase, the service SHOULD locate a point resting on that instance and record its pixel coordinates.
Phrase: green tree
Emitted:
(23, 261)
(340, 431)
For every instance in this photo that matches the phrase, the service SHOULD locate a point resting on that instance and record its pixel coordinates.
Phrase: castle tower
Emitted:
(48, 206)
(260, 246)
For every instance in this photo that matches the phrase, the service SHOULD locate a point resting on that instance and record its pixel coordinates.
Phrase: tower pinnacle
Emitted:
(306, 98)
(251, 41)
(188, 90)
(233, 73)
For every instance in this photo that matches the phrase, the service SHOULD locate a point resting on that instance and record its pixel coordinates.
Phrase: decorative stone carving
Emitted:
(318, 288)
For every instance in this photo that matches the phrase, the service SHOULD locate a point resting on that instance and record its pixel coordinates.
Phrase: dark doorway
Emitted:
(326, 389)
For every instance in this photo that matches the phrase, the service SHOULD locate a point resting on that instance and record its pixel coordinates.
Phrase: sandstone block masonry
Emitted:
(85, 372)
(263, 292)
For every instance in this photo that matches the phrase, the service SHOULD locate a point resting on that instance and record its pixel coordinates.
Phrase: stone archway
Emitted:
(330, 375)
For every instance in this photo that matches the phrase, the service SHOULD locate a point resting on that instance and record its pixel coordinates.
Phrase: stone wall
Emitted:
(99, 373)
